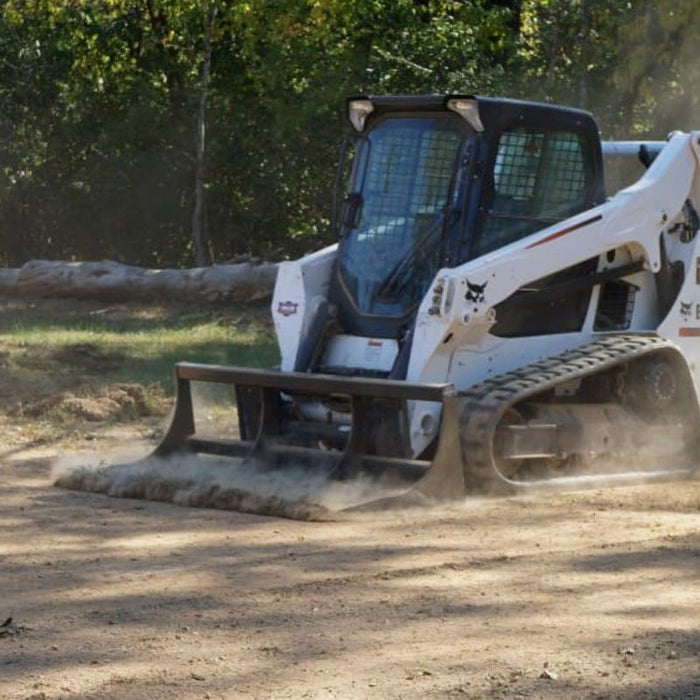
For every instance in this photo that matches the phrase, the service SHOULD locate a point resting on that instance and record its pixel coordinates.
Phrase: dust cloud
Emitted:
(299, 490)
(213, 482)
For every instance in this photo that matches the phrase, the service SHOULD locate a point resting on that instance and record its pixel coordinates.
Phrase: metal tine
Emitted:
(268, 431)
(182, 425)
(350, 463)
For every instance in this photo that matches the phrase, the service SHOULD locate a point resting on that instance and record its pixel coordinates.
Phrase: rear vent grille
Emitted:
(615, 306)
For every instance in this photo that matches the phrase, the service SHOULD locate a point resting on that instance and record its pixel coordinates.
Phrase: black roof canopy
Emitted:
(496, 113)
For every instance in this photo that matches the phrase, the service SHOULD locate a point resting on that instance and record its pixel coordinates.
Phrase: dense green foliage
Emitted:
(100, 102)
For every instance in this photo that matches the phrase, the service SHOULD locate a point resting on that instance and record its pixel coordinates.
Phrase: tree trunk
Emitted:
(585, 24)
(201, 253)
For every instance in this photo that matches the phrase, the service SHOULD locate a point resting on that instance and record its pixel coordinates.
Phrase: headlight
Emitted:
(468, 109)
(358, 111)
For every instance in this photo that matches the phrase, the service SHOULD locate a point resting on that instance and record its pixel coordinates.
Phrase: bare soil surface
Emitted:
(580, 594)
(569, 595)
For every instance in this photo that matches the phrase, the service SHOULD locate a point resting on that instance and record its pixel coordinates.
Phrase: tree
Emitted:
(101, 100)
(201, 255)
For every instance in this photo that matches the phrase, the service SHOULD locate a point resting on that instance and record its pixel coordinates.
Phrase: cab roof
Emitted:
(495, 113)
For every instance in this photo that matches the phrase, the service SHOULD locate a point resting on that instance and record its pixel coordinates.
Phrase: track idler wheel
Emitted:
(653, 388)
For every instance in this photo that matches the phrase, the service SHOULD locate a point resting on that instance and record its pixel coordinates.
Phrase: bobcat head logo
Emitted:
(475, 292)
(686, 310)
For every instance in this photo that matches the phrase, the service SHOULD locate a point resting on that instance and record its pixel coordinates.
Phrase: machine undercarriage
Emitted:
(619, 408)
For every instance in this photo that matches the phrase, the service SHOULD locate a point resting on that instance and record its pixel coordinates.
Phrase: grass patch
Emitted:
(65, 362)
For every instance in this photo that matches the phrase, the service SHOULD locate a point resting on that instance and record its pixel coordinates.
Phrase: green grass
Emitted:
(61, 360)
(67, 342)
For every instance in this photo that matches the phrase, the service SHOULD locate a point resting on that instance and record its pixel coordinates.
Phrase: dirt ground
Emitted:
(569, 595)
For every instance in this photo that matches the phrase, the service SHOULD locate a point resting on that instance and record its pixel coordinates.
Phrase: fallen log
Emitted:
(8, 280)
(113, 281)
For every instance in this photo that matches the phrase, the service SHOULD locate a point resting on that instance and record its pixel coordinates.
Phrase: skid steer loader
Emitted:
(487, 320)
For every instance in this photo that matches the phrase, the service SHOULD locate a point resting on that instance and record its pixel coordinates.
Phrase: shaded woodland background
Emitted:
(104, 103)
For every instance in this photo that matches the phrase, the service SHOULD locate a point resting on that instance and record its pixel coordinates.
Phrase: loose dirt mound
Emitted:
(117, 401)
(178, 481)
(298, 492)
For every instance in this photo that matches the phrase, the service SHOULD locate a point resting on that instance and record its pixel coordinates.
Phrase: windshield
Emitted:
(403, 172)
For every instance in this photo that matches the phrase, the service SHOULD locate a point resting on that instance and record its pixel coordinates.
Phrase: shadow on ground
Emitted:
(547, 597)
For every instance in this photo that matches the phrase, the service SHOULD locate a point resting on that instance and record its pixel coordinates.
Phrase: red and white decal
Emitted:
(287, 308)
(373, 351)
(565, 231)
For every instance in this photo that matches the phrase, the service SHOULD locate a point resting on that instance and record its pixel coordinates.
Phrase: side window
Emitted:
(539, 177)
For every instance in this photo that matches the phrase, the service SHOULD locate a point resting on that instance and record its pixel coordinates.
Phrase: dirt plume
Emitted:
(230, 484)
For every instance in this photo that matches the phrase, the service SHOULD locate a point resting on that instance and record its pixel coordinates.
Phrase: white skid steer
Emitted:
(487, 320)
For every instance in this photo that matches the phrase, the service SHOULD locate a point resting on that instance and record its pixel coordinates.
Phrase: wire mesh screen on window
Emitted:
(515, 170)
(540, 170)
(539, 177)
(562, 181)
(410, 175)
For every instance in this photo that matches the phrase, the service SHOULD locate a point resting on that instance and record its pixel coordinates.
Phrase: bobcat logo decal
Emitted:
(475, 292)
(686, 310)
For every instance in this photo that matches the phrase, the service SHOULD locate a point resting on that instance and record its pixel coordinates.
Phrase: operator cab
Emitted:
(438, 180)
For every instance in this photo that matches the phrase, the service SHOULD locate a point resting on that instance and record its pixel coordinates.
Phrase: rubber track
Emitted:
(483, 404)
